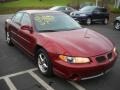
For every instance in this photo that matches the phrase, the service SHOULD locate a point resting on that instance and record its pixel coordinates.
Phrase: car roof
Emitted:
(94, 6)
(39, 11)
(60, 6)
(56, 7)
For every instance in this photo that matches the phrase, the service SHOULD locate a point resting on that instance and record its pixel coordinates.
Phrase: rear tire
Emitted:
(105, 22)
(89, 21)
(8, 39)
(44, 63)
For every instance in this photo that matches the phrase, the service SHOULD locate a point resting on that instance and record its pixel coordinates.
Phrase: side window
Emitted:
(17, 18)
(97, 10)
(70, 9)
(62, 8)
(26, 20)
(103, 10)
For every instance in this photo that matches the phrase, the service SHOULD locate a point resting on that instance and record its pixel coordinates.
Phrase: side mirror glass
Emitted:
(66, 9)
(26, 27)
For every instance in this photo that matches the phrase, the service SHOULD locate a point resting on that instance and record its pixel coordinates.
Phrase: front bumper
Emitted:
(82, 71)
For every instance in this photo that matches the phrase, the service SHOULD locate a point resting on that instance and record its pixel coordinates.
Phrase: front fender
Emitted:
(52, 47)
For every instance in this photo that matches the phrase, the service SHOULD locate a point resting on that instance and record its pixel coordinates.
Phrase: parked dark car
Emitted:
(117, 23)
(64, 9)
(89, 14)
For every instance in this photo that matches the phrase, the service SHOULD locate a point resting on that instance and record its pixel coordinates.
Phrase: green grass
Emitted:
(11, 7)
(34, 3)
(115, 10)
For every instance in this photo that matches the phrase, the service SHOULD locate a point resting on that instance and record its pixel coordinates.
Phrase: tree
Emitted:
(104, 3)
(117, 4)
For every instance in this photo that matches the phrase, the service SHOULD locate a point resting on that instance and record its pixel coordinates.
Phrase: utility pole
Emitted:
(117, 4)
(96, 2)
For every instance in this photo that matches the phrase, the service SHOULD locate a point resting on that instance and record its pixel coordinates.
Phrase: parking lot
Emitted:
(18, 72)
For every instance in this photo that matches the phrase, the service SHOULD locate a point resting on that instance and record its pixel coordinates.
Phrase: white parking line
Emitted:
(30, 71)
(77, 86)
(36, 77)
(43, 83)
(10, 84)
(19, 73)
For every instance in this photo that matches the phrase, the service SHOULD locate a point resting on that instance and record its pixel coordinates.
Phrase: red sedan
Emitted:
(60, 45)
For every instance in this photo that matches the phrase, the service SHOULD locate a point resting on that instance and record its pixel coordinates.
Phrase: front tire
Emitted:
(8, 39)
(44, 63)
(117, 25)
(89, 21)
(105, 22)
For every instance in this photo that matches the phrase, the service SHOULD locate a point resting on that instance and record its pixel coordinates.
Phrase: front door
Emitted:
(26, 38)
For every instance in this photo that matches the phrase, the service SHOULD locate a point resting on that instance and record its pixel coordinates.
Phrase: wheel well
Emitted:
(107, 18)
(116, 21)
(90, 18)
(37, 48)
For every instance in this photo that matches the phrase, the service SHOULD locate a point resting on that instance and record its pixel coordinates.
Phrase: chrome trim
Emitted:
(21, 37)
(107, 71)
(92, 76)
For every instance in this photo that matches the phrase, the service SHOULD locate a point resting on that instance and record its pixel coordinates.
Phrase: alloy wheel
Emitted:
(42, 63)
(89, 21)
(105, 21)
(117, 26)
(8, 37)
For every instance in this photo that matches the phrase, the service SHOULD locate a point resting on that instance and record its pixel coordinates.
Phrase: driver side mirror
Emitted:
(26, 27)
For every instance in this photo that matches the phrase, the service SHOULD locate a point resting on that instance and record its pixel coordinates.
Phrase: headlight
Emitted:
(83, 15)
(115, 51)
(74, 59)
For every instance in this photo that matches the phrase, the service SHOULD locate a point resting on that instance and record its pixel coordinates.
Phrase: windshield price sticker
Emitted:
(43, 20)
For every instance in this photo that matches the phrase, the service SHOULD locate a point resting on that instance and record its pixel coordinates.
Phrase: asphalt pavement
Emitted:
(18, 72)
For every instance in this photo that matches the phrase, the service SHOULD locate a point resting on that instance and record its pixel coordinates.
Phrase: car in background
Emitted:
(90, 14)
(60, 45)
(117, 23)
(64, 9)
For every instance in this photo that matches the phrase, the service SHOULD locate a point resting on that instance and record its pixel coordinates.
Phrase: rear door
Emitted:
(104, 13)
(96, 14)
(15, 26)
(99, 14)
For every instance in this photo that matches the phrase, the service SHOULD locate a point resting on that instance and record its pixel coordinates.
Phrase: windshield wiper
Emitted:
(47, 30)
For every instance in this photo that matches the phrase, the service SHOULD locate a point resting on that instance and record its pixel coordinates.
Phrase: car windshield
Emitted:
(87, 9)
(45, 22)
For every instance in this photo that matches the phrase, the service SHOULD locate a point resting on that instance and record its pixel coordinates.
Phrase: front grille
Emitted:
(109, 56)
(100, 59)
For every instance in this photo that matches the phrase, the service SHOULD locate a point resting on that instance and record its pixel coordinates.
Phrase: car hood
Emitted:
(81, 42)
(79, 12)
(118, 18)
